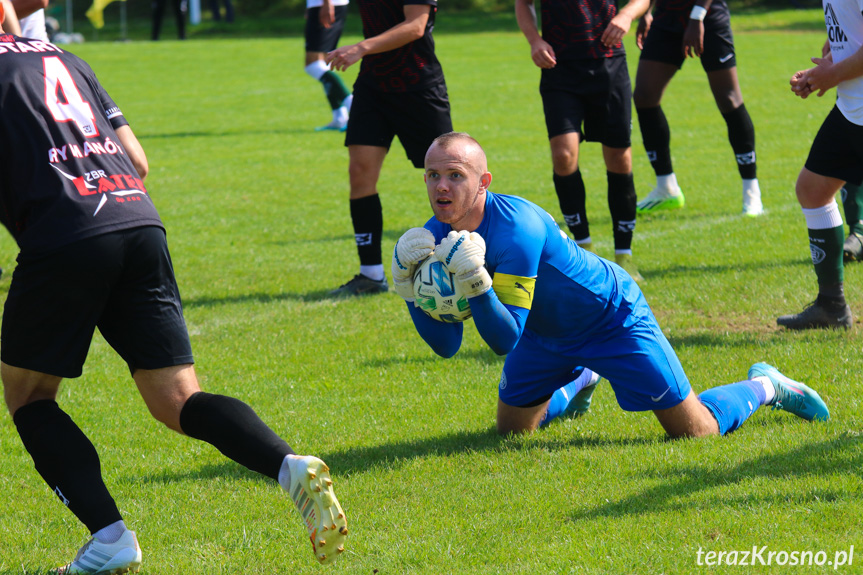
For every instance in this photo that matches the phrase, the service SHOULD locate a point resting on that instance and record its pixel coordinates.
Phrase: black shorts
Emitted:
(121, 282)
(665, 46)
(837, 151)
(417, 118)
(320, 39)
(596, 93)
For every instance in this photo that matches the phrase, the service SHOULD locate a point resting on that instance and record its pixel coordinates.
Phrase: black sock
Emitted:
(67, 461)
(334, 88)
(657, 138)
(572, 197)
(621, 205)
(235, 430)
(368, 218)
(741, 134)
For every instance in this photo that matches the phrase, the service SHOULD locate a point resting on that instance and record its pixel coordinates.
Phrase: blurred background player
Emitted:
(324, 26)
(400, 91)
(180, 7)
(585, 81)
(93, 253)
(560, 314)
(677, 29)
(217, 13)
(836, 157)
(31, 16)
(852, 203)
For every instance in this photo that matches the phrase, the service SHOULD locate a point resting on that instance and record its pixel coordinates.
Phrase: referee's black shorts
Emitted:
(121, 282)
(595, 94)
(665, 46)
(837, 151)
(320, 39)
(416, 117)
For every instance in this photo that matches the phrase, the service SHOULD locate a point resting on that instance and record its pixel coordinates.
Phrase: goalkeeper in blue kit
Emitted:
(564, 317)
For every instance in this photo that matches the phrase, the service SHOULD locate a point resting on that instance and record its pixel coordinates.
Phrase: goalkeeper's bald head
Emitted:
(469, 148)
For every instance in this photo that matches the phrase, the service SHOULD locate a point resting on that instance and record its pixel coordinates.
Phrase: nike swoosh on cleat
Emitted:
(657, 399)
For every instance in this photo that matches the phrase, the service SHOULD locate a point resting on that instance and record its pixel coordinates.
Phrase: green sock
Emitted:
(852, 202)
(826, 248)
(334, 88)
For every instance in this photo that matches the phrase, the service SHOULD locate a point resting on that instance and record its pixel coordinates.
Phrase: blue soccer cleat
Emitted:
(581, 402)
(792, 396)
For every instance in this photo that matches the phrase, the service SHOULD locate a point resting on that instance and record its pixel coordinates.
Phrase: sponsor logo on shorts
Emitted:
(726, 58)
(658, 399)
(502, 384)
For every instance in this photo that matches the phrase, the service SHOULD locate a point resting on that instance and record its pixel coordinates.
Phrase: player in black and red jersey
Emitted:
(675, 30)
(93, 254)
(586, 94)
(400, 91)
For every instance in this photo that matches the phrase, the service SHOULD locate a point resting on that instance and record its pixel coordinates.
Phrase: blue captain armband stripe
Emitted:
(514, 290)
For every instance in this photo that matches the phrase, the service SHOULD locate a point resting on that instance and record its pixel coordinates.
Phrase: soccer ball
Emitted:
(438, 294)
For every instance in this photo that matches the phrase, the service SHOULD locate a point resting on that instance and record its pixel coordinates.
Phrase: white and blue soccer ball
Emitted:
(438, 294)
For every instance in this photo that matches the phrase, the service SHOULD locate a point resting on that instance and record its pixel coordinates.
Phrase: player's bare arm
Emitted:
(412, 29)
(541, 51)
(693, 37)
(826, 74)
(11, 24)
(622, 22)
(327, 15)
(24, 8)
(134, 150)
(644, 25)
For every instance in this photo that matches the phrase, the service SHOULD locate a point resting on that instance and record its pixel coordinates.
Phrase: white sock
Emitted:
(769, 390)
(346, 103)
(111, 533)
(669, 183)
(619, 252)
(340, 114)
(823, 218)
(317, 69)
(586, 240)
(752, 186)
(285, 474)
(375, 272)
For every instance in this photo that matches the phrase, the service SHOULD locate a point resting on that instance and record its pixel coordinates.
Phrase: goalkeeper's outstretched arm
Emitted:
(499, 325)
(443, 338)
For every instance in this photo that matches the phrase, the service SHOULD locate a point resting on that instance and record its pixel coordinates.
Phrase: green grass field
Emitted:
(255, 203)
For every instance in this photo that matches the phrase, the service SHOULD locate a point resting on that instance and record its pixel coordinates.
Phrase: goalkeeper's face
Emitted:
(456, 179)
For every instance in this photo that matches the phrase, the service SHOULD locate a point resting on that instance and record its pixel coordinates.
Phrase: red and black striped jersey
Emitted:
(574, 28)
(413, 66)
(64, 175)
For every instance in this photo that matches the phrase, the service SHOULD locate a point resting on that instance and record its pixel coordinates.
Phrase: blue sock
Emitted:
(732, 404)
(561, 398)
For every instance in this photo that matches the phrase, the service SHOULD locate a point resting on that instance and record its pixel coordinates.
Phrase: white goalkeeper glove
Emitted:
(415, 245)
(463, 254)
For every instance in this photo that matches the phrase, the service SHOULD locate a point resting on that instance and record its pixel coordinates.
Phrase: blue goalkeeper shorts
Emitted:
(638, 362)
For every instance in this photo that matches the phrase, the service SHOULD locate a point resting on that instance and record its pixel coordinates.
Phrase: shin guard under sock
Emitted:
(732, 404)
(67, 461)
(235, 430)
(368, 219)
(657, 138)
(741, 135)
(572, 197)
(621, 204)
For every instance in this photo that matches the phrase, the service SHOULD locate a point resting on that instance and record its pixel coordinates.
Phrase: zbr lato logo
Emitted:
(818, 254)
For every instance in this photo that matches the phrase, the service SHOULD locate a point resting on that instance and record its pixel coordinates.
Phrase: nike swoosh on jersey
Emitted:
(657, 399)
